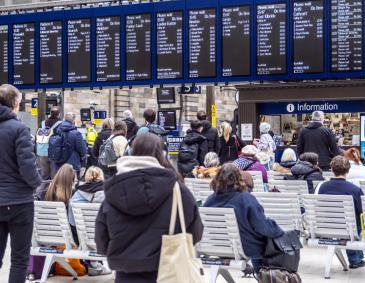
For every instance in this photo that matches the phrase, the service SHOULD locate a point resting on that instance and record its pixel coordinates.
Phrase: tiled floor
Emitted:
(311, 271)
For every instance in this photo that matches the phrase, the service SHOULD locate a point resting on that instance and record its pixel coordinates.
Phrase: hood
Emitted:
(193, 136)
(221, 199)
(66, 126)
(130, 123)
(157, 129)
(303, 168)
(288, 164)
(6, 114)
(314, 125)
(140, 186)
(91, 187)
(206, 125)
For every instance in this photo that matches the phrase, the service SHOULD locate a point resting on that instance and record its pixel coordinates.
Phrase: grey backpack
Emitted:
(107, 154)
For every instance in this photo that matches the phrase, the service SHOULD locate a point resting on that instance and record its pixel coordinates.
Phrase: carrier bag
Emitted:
(270, 275)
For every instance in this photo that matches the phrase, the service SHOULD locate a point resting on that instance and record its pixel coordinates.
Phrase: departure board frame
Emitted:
(6, 21)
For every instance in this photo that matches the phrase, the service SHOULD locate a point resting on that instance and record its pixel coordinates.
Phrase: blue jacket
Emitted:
(79, 148)
(254, 227)
(18, 171)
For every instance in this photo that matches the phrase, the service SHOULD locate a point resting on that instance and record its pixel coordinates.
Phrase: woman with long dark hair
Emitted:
(136, 211)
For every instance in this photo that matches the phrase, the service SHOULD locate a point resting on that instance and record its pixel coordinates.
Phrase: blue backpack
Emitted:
(60, 148)
(42, 138)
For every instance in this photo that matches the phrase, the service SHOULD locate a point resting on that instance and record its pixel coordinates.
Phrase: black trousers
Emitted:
(17, 220)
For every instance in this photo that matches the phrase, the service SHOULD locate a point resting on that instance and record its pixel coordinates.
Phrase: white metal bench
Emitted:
(362, 187)
(284, 208)
(273, 175)
(290, 186)
(328, 175)
(332, 224)
(221, 246)
(200, 188)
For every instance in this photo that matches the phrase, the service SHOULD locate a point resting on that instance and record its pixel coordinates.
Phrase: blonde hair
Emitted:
(108, 124)
(288, 155)
(94, 174)
(61, 187)
(226, 130)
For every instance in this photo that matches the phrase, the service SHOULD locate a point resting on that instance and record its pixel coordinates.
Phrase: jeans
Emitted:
(256, 263)
(354, 256)
(17, 220)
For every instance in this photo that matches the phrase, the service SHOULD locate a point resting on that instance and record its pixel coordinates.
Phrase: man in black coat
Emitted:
(132, 127)
(210, 133)
(318, 139)
(18, 179)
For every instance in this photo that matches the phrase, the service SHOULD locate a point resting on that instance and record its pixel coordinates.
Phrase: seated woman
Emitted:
(210, 168)
(339, 186)
(307, 169)
(231, 192)
(357, 170)
(248, 161)
(288, 160)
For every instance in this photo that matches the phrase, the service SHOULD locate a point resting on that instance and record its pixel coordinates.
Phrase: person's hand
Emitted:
(255, 142)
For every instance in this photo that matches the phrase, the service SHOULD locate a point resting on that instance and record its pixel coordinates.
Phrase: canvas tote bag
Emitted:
(178, 263)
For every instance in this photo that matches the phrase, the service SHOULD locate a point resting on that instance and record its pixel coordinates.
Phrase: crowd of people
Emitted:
(130, 173)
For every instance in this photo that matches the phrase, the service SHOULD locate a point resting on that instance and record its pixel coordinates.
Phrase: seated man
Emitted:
(339, 186)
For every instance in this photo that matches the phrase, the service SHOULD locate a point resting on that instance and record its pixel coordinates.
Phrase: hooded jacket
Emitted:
(18, 171)
(304, 170)
(318, 139)
(79, 148)
(211, 134)
(193, 137)
(132, 128)
(136, 213)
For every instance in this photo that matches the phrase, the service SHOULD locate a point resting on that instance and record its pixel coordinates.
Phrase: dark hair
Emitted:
(340, 165)
(228, 179)
(196, 124)
(9, 95)
(55, 112)
(149, 115)
(201, 115)
(353, 154)
(310, 157)
(120, 128)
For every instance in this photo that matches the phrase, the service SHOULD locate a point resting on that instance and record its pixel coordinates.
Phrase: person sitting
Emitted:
(230, 191)
(339, 186)
(136, 211)
(210, 168)
(287, 161)
(307, 169)
(248, 161)
(357, 170)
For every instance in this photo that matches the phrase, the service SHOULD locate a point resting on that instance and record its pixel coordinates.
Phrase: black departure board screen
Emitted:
(107, 49)
(79, 64)
(236, 41)
(202, 37)
(170, 45)
(308, 37)
(271, 39)
(50, 40)
(138, 47)
(4, 43)
(346, 35)
(23, 53)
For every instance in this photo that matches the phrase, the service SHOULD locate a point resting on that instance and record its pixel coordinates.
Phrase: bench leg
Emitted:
(341, 258)
(214, 269)
(50, 259)
(329, 258)
(67, 266)
(226, 275)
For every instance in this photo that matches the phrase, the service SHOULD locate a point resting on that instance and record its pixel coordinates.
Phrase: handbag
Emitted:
(283, 252)
(178, 263)
(268, 275)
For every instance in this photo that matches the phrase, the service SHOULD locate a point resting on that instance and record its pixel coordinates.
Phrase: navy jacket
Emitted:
(254, 227)
(18, 171)
(78, 144)
(342, 187)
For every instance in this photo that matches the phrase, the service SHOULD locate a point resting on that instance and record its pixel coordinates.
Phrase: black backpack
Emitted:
(188, 153)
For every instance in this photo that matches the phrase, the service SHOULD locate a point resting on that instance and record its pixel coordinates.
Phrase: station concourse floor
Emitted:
(311, 271)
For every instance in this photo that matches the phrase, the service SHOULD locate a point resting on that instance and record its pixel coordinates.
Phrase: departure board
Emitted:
(50, 38)
(170, 45)
(4, 43)
(271, 39)
(202, 43)
(236, 41)
(308, 37)
(108, 49)
(79, 64)
(346, 35)
(138, 47)
(23, 53)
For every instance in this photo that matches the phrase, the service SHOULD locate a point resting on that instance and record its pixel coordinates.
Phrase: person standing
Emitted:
(318, 139)
(230, 145)
(18, 179)
(210, 133)
(131, 124)
(106, 131)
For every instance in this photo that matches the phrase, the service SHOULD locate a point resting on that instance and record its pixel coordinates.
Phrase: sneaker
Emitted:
(248, 271)
(357, 265)
(98, 270)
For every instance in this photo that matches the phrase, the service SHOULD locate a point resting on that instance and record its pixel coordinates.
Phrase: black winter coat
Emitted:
(229, 150)
(211, 134)
(132, 128)
(18, 171)
(134, 216)
(318, 139)
(101, 138)
(304, 170)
